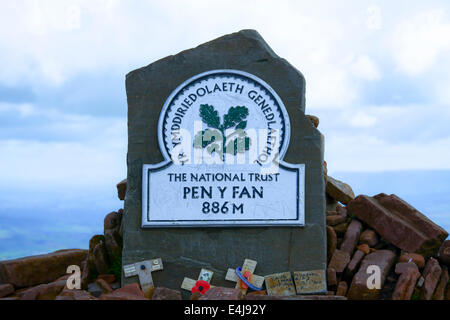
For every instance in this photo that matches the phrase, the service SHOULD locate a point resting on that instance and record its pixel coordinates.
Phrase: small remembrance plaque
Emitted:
(308, 282)
(280, 284)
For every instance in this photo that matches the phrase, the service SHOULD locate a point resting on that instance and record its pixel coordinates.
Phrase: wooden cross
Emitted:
(205, 275)
(249, 266)
(144, 271)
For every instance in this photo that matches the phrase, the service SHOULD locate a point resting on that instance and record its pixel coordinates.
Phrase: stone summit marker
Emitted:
(223, 164)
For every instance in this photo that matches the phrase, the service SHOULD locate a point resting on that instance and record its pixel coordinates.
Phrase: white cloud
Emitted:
(420, 40)
(366, 154)
(23, 109)
(84, 151)
(362, 120)
(365, 68)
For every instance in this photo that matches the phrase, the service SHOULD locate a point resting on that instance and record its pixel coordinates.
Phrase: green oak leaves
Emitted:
(214, 139)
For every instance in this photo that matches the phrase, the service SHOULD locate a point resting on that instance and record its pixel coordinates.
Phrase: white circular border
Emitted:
(287, 124)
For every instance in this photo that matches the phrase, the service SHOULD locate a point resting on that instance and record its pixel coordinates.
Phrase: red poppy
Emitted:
(247, 275)
(201, 286)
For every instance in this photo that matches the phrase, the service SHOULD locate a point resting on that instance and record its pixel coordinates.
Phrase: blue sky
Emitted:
(377, 76)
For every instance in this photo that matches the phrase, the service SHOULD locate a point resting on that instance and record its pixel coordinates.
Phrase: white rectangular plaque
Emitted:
(188, 195)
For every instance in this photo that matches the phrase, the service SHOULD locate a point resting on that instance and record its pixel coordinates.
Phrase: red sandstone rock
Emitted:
(331, 277)
(369, 237)
(132, 288)
(315, 122)
(30, 271)
(109, 278)
(221, 293)
(333, 220)
(339, 260)
(100, 258)
(341, 228)
(195, 296)
(431, 274)
(6, 290)
(259, 292)
(401, 267)
(68, 294)
(31, 293)
(406, 282)
(112, 221)
(399, 223)
(351, 237)
(9, 298)
(439, 293)
(122, 189)
(104, 286)
(127, 292)
(113, 242)
(354, 263)
(161, 293)
(339, 190)
(113, 239)
(87, 273)
(51, 290)
(331, 203)
(331, 242)
(444, 253)
(358, 288)
(364, 248)
(342, 289)
(418, 259)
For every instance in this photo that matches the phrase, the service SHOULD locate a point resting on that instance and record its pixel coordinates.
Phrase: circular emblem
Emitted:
(224, 112)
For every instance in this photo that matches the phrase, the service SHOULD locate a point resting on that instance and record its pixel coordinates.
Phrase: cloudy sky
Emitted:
(377, 75)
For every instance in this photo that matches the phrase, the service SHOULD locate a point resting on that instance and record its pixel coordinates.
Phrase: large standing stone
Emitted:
(358, 288)
(399, 223)
(30, 271)
(186, 251)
